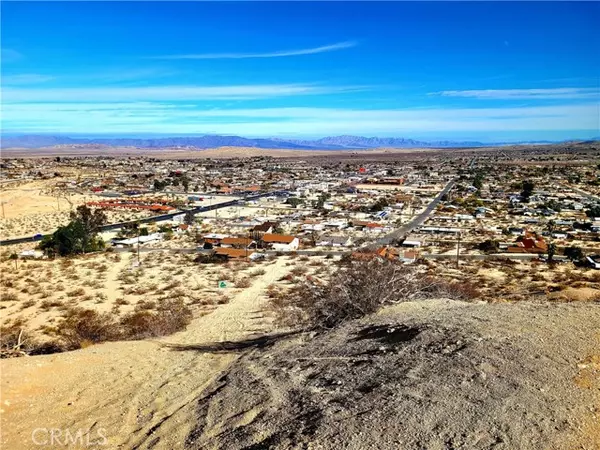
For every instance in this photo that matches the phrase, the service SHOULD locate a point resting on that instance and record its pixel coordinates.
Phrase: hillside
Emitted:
(435, 374)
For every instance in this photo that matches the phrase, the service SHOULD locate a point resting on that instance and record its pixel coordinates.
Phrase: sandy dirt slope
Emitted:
(136, 392)
(423, 375)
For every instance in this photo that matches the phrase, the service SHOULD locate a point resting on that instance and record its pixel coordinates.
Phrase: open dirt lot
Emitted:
(129, 388)
(37, 207)
(505, 280)
(37, 294)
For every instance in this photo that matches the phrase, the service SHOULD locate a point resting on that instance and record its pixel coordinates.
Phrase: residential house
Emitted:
(281, 242)
(214, 238)
(530, 243)
(412, 241)
(237, 242)
(130, 242)
(265, 227)
(397, 254)
(232, 253)
(334, 241)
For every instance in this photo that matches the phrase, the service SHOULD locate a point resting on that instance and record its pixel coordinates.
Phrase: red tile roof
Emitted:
(278, 238)
(236, 241)
(233, 252)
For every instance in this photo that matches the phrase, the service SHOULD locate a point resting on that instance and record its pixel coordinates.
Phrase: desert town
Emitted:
(222, 242)
(451, 213)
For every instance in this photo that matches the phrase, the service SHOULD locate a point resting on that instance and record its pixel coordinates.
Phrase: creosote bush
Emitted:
(81, 327)
(170, 316)
(359, 288)
(16, 341)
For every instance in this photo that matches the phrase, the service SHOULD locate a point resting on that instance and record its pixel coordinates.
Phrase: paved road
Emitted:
(161, 218)
(417, 221)
(584, 193)
(472, 163)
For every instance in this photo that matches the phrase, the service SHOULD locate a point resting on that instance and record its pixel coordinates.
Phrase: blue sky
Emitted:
(483, 70)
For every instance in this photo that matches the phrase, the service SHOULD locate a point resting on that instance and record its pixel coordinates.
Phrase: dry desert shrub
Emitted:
(9, 297)
(145, 305)
(258, 272)
(169, 317)
(273, 291)
(172, 284)
(47, 304)
(243, 283)
(95, 284)
(7, 282)
(136, 290)
(85, 325)
(221, 299)
(28, 304)
(65, 263)
(299, 270)
(594, 277)
(537, 277)
(16, 341)
(177, 293)
(77, 292)
(359, 288)
(226, 276)
(101, 297)
(81, 327)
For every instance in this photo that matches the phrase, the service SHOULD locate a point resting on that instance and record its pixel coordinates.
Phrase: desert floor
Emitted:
(34, 207)
(133, 388)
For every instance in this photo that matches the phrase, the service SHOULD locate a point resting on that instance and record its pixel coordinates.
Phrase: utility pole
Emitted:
(246, 245)
(138, 244)
(458, 252)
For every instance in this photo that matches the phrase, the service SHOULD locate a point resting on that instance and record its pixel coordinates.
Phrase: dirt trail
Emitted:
(138, 394)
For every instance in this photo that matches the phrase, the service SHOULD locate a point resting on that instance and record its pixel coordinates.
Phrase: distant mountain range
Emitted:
(213, 141)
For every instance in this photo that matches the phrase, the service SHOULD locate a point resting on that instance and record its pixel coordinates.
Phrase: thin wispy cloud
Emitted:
(25, 78)
(8, 55)
(168, 93)
(187, 118)
(274, 54)
(108, 77)
(125, 74)
(530, 94)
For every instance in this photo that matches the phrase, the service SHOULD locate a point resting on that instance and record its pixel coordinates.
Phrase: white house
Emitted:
(281, 242)
(334, 241)
(141, 240)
